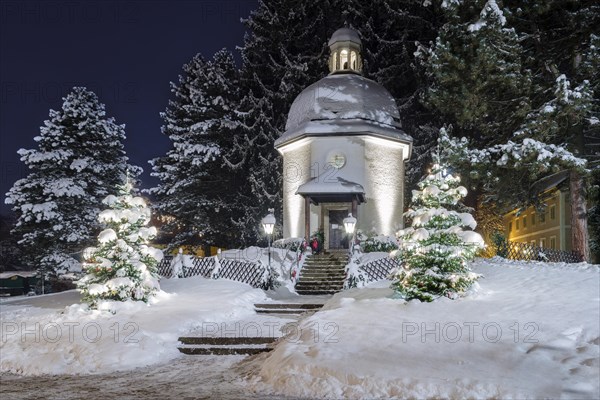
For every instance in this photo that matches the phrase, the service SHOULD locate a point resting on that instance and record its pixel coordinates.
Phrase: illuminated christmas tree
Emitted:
(435, 250)
(123, 266)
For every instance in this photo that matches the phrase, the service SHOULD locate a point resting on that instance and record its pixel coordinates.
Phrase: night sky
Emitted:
(125, 51)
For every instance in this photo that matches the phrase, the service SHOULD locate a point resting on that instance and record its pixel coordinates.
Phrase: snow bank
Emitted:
(530, 330)
(75, 340)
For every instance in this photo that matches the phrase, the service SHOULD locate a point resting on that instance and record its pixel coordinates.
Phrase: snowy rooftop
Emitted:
(22, 274)
(341, 98)
(324, 188)
(344, 34)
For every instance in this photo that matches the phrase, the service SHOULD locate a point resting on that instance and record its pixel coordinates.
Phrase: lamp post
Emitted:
(349, 225)
(268, 224)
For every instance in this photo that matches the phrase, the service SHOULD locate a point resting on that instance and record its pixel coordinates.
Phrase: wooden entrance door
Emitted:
(337, 234)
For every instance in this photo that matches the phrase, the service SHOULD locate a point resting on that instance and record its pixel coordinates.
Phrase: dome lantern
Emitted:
(345, 46)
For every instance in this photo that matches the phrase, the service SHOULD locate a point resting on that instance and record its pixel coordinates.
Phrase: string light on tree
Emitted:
(122, 267)
(437, 247)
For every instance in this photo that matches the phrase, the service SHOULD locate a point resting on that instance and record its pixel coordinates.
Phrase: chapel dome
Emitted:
(343, 35)
(343, 97)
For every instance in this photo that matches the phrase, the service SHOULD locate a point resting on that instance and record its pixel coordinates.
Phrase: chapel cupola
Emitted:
(345, 57)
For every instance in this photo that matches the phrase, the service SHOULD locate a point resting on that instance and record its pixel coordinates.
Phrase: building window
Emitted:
(553, 242)
(543, 217)
(553, 213)
(335, 61)
(353, 60)
(517, 224)
(543, 242)
(533, 243)
(524, 221)
(533, 219)
(510, 226)
(344, 59)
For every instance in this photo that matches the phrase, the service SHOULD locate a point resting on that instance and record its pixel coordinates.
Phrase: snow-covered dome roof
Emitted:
(344, 34)
(343, 96)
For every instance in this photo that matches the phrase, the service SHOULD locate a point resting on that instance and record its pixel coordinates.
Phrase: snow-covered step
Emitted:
(316, 292)
(223, 351)
(200, 345)
(226, 341)
(286, 308)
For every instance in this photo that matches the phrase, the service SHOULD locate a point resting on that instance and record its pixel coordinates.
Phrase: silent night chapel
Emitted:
(343, 151)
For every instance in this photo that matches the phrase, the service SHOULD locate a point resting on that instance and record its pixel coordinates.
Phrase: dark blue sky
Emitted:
(126, 51)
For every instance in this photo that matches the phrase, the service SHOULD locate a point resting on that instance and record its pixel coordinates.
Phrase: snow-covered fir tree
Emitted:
(511, 96)
(436, 249)
(198, 190)
(79, 159)
(122, 266)
(283, 53)
(478, 80)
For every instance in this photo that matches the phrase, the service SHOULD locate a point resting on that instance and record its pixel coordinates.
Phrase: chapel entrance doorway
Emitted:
(337, 235)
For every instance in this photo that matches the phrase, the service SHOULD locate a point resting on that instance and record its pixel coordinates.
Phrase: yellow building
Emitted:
(551, 229)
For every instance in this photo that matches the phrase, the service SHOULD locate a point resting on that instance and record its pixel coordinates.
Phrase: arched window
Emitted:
(353, 60)
(334, 61)
(344, 59)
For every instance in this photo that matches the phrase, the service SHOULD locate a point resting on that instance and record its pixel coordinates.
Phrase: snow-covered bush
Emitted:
(123, 266)
(379, 243)
(436, 248)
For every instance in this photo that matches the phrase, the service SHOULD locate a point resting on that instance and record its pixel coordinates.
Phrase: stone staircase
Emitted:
(245, 345)
(323, 274)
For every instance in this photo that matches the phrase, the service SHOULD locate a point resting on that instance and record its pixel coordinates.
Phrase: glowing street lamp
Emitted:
(349, 225)
(268, 224)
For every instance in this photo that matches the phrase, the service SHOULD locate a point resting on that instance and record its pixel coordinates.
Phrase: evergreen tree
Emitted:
(197, 189)
(79, 159)
(436, 248)
(519, 75)
(123, 266)
(285, 51)
(479, 83)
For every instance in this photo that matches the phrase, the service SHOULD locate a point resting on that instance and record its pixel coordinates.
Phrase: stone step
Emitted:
(332, 278)
(309, 261)
(226, 341)
(223, 351)
(335, 288)
(316, 292)
(318, 281)
(310, 306)
(301, 285)
(317, 275)
(281, 311)
(307, 266)
(323, 269)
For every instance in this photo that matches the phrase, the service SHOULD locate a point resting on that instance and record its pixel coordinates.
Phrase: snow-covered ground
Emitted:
(530, 330)
(52, 335)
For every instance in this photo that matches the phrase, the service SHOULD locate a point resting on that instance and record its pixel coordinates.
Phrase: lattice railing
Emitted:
(379, 269)
(529, 252)
(248, 272)
(241, 271)
(202, 266)
(164, 267)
